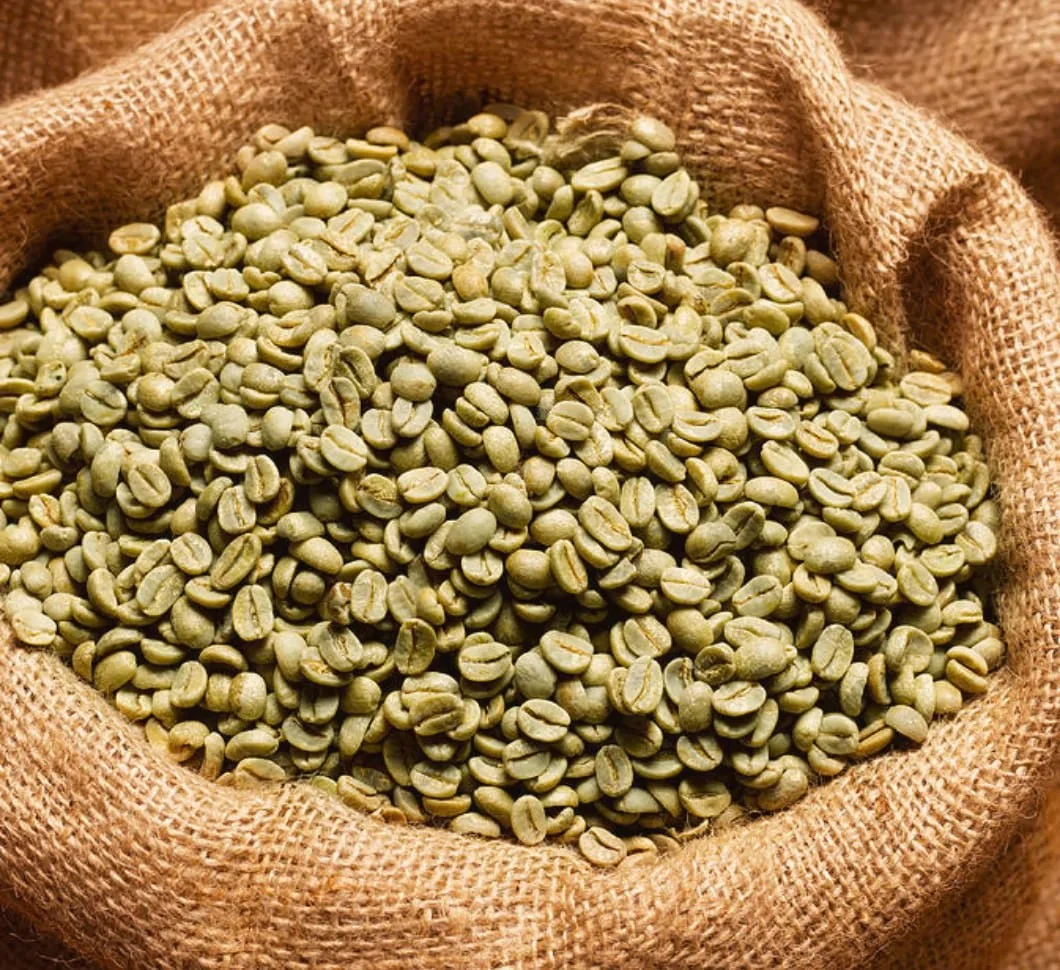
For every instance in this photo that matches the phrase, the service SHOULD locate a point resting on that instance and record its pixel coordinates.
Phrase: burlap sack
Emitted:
(988, 67)
(134, 863)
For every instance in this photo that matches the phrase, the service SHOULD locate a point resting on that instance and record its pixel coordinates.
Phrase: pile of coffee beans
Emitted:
(515, 497)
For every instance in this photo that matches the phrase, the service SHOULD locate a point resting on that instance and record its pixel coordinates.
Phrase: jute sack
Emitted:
(987, 67)
(135, 863)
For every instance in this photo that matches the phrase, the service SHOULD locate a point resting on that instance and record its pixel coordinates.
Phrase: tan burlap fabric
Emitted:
(991, 68)
(925, 859)
(988, 67)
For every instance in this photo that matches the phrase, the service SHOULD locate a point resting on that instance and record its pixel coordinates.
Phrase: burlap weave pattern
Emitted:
(989, 67)
(135, 863)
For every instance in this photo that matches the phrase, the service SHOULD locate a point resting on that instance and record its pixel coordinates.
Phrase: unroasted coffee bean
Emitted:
(542, 720)
(528, 821)
(614, 771)
(601, 847)
(567, 652)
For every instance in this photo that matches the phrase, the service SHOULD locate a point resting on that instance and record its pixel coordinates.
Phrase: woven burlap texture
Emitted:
(988, 67)
(134, 863)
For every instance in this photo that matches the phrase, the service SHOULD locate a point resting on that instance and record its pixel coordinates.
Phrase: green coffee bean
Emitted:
(601, 847)
(248, 697)
(738, 697)
(159, 590)
(252, 613)
(642, 686)
(254, 743)
(235, 562)
(829, 555)
(614, 771)
(189, 687)
(528, 821)
(415, 647)
(695, 708)
(761, 658)
(966, 669)
(191, 554)
(567, 567)
(33, 628)
(948, 698)
(525, 759)
(832, 653)
(534, 677)
(543, 721)
(978, 543)
(917, 584)
(319, 554)
(484, 662)
(710, 542)
(339, 647)
(343, 449)
(435, 781)
(704, 799)
(114, 671)
(906, 646)
(471, 532)
(368, 597)
(908, 722)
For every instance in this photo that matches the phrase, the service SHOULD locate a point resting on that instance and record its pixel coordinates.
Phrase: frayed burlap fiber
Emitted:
(924, 858)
